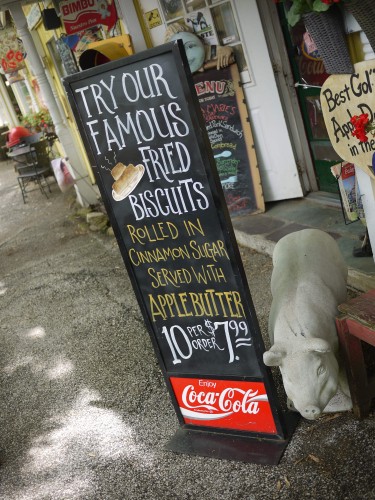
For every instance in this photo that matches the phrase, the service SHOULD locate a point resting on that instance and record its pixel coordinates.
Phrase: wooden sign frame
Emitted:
(184, 264)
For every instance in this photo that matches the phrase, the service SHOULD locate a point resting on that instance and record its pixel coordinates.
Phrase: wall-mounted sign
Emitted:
(33, 16)
(345, 96)
(153, 18)
(201, 23)
(80, 15)
(143, 129)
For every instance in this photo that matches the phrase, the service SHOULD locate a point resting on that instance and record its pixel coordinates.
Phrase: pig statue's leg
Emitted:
(339, 402)
(342, 400)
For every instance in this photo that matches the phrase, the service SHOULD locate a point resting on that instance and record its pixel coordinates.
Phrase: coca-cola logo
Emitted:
(231, 404)
(220, 404)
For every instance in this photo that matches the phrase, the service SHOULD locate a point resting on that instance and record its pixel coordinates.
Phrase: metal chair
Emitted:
(34, 169)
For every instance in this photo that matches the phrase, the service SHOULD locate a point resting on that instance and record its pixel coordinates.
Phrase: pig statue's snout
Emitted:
(311, 412)
(310, 374)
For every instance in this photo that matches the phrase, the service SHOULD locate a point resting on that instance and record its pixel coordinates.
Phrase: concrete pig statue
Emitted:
(308, 282)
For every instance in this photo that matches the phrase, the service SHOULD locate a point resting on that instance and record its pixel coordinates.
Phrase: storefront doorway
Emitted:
(237, 24)
(309, 74)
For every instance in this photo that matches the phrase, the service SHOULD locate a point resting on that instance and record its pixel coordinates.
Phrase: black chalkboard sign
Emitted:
(141, 123)
(224, 111)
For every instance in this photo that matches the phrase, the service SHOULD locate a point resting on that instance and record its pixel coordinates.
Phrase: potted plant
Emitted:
(362, 10)
(38, 121)
(300, 7)
(323, 20)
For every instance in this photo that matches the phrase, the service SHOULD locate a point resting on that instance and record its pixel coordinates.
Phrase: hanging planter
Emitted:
(324, 22)
(364, 13)
(327, 31)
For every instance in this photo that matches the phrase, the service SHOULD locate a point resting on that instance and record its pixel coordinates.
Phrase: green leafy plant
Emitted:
(41, 119)
(300, 7)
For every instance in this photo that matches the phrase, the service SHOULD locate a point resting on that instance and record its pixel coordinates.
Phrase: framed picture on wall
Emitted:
(172, 9)
(191, 5)
(201, 23)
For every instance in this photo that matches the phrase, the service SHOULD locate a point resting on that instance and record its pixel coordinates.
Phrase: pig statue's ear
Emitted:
(274, 356)
(318, 345)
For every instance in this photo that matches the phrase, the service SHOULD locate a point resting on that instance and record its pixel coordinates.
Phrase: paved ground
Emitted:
(319, 211)
(84, 411)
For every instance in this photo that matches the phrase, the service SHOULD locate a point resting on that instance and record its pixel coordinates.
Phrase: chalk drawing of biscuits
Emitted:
(126, 179)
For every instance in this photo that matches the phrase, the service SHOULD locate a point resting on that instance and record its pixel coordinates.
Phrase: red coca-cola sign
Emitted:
(228, 404)
(347, 170)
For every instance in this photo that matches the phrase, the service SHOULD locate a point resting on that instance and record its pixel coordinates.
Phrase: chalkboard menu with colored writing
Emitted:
(224, 111)
(143, 130)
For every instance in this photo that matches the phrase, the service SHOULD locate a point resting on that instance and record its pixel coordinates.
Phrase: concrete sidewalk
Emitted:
(84, 410)
(318, 210)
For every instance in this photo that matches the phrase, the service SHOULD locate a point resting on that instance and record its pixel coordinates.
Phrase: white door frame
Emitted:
(277, 163)
(288, 95)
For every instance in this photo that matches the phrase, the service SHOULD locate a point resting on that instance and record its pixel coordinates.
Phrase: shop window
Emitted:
(315, 117)
(192, 5)
(55, 56)
(172, 9)
(225, 24)
(213, 20)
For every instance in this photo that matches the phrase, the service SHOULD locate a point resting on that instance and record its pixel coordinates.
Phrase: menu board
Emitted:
(142, 126)
(222, 103)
